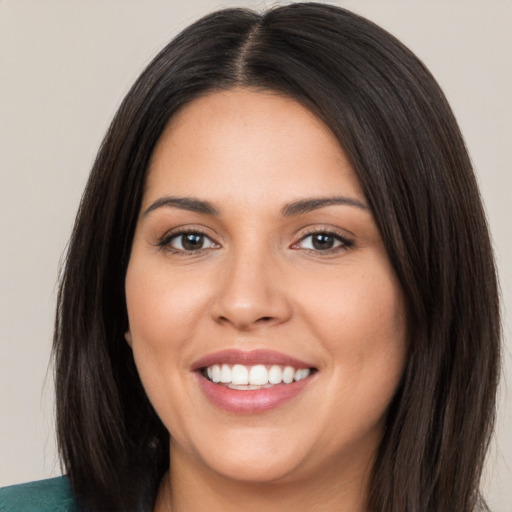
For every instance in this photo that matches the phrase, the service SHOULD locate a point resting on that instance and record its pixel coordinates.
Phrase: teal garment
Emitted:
(52, 495)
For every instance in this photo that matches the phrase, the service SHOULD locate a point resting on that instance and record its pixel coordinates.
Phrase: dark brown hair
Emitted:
(403, 142)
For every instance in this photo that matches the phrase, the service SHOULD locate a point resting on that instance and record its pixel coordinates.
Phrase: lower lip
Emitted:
(252, 401)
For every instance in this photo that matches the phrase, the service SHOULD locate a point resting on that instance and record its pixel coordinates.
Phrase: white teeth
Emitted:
(288, 374)
(275, 375)
(301, 374)
(258, 375)
(248, 387)
(240, 376)
(305, 372)
(216, 373)
(225, 374)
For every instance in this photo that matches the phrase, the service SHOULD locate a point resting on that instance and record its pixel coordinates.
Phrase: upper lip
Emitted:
(249, 358)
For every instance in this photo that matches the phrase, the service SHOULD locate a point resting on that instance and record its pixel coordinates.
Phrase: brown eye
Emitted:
(323, 241)
(191, 241)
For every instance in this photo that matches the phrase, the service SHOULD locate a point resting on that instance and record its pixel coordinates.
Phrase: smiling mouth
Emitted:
(246, 378)
(252, 382)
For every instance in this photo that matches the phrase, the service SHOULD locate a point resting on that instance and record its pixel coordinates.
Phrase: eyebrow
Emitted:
(184, 203)
(289, 210)
(308, 205)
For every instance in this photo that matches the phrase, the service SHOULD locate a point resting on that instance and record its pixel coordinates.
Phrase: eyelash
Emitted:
(165, 242)
(344, 242)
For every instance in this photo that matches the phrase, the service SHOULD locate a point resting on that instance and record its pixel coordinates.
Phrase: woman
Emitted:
(280, 290)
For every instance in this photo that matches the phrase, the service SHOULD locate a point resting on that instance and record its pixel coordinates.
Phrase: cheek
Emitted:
(163, 318)
(163, 308)
(361, 322)
(358, 312)
(163, 315)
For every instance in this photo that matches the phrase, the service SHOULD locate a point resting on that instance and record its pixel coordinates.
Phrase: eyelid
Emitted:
(164, 242)
(345, 242)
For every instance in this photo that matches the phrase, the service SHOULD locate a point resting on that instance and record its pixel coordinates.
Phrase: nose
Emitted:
(251, 293)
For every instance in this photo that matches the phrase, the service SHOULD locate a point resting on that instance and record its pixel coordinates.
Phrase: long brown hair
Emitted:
(403, 142)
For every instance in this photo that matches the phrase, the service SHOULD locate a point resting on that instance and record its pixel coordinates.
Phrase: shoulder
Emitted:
(52, 495)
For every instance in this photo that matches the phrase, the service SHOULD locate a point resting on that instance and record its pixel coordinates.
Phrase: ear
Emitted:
(128, 337)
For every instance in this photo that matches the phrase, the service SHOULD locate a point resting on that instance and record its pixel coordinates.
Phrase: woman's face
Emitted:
(266, 321)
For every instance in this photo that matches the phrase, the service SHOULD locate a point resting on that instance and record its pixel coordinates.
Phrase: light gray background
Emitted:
(64, 68)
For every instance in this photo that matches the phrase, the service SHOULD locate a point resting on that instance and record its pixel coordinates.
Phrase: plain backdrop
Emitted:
(65, 66)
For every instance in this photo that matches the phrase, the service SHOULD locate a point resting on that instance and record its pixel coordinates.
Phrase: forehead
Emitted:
(251, 144)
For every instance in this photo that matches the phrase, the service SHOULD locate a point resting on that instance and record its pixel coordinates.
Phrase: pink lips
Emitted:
(249, 401)
(249, 358)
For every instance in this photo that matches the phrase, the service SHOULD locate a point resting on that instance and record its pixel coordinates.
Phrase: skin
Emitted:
(259, 283)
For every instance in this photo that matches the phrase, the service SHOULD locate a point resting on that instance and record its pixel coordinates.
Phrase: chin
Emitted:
(255, 470)
(263, 457)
